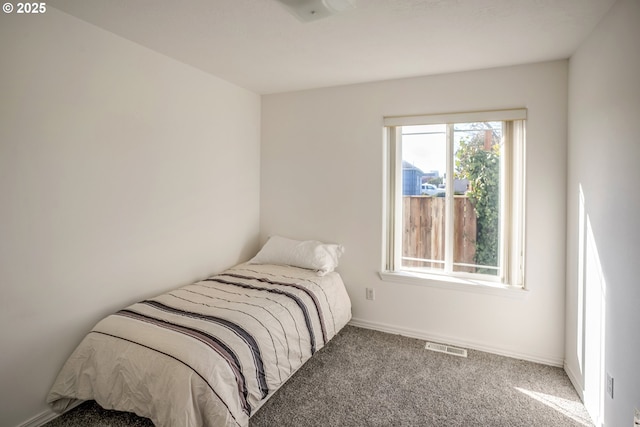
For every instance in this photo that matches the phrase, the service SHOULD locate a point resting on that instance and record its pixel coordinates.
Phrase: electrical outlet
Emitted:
(636, 418)
(371, 295)
(610, 385)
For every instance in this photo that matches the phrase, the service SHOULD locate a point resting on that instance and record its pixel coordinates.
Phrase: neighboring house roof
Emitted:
(410, 166)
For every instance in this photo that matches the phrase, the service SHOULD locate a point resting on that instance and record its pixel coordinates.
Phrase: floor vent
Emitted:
(442, 348)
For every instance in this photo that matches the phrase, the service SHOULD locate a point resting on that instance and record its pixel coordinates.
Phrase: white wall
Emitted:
(322, 160)
(603, 252)
(123, 173)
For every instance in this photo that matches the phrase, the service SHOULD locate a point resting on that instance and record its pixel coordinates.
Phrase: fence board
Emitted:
(464, 249)
(423, 225)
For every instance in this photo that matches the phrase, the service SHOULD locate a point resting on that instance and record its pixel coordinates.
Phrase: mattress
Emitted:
(207, 354)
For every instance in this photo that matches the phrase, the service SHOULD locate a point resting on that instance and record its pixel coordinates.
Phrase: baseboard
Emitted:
(577, 384)
(423, 335)
(40, 419)
(45, 416)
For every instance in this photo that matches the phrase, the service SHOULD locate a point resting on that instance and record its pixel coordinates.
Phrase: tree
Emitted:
(435, 181)
(479, 162)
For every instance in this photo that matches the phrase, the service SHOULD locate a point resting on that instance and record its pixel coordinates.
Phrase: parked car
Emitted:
(432, 190)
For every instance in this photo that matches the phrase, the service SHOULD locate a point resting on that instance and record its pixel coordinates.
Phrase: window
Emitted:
(455, 196)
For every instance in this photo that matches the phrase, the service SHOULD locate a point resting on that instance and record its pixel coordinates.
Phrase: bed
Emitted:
(210, 353)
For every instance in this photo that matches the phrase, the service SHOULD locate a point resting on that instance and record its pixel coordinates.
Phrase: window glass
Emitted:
(452, 184)
(477, 187)
(424, 159)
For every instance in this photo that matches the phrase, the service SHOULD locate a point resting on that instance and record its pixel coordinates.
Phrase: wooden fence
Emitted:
(423, 226)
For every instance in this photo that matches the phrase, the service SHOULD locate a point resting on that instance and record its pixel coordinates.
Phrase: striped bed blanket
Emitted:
(207, 354)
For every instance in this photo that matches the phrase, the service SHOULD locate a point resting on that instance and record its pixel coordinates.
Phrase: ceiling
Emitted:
(259, 45)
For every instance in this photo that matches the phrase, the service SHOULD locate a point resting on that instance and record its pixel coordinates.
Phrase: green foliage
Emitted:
(435, 181)
(482, 168)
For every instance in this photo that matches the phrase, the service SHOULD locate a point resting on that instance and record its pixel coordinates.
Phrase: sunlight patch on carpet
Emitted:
(569, 408)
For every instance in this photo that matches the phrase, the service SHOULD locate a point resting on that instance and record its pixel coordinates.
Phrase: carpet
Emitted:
(369, 378)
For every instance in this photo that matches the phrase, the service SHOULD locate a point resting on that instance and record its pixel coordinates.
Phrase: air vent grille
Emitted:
(442, 348)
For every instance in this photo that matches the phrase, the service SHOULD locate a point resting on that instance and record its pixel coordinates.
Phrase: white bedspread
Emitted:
(207, 354)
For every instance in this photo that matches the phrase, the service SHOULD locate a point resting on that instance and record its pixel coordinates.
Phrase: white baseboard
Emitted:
(45, 416)
(40, 419)
(427, 336)
(577, 384)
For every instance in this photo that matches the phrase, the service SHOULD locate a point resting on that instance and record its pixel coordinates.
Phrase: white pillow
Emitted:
(309, 254)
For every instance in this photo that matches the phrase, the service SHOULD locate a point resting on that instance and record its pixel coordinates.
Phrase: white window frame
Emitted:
(512, 207)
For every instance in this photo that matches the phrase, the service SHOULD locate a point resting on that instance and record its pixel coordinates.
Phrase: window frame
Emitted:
(512, 207)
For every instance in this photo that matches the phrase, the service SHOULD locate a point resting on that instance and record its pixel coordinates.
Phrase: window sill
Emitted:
(454, 283)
